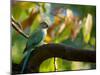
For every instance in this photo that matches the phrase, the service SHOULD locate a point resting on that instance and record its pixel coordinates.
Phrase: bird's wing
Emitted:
(33, 42)
(35, 39)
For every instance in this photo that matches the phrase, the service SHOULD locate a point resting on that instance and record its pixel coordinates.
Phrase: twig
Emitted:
(55, 63)
(18, 28)
(17, 23)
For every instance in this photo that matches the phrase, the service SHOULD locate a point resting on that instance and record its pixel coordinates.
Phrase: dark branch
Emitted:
(58, 50)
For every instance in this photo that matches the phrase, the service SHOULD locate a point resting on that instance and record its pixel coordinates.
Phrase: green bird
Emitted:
(35, 40)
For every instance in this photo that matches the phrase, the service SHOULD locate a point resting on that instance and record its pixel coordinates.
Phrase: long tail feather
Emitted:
(27, 55)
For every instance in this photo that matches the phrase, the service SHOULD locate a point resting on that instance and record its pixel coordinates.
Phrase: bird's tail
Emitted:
(26, 58)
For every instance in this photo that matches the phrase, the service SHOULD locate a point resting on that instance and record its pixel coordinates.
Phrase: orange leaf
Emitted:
(28, 22)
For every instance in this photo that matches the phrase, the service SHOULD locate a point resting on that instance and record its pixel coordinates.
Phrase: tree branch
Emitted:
(18, 27)
(58, 50)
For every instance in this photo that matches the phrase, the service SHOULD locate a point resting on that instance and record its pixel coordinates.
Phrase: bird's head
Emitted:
(44, 25)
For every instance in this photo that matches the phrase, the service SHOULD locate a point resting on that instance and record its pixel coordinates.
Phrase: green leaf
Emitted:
(19, 43)
(93, 41)
(25, 5)
(20, 9)
(15, 12)
(63, 64)
(87, 27)
(47, 65)
(35, 24)
(16, 55)
(63, 36)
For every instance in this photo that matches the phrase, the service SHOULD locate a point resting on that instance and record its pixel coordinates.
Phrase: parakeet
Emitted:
(34, 41)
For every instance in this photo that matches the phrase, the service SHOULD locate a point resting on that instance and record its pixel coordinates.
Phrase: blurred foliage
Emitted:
(73, 25)
(49, 65)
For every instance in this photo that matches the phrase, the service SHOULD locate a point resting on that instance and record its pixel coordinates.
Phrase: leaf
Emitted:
(76, 65)
(25, 18)
(35, 23)
(47, 65)
(30, 19)
(76, 28)
(20, 8)
(63, 36)
(16, 55)
(25, 5)
(93, 41)
(80, 65)
(87, 27)
(15, 12)
(70, 14)
(56, 23)
(63, 64)
(17, 48)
